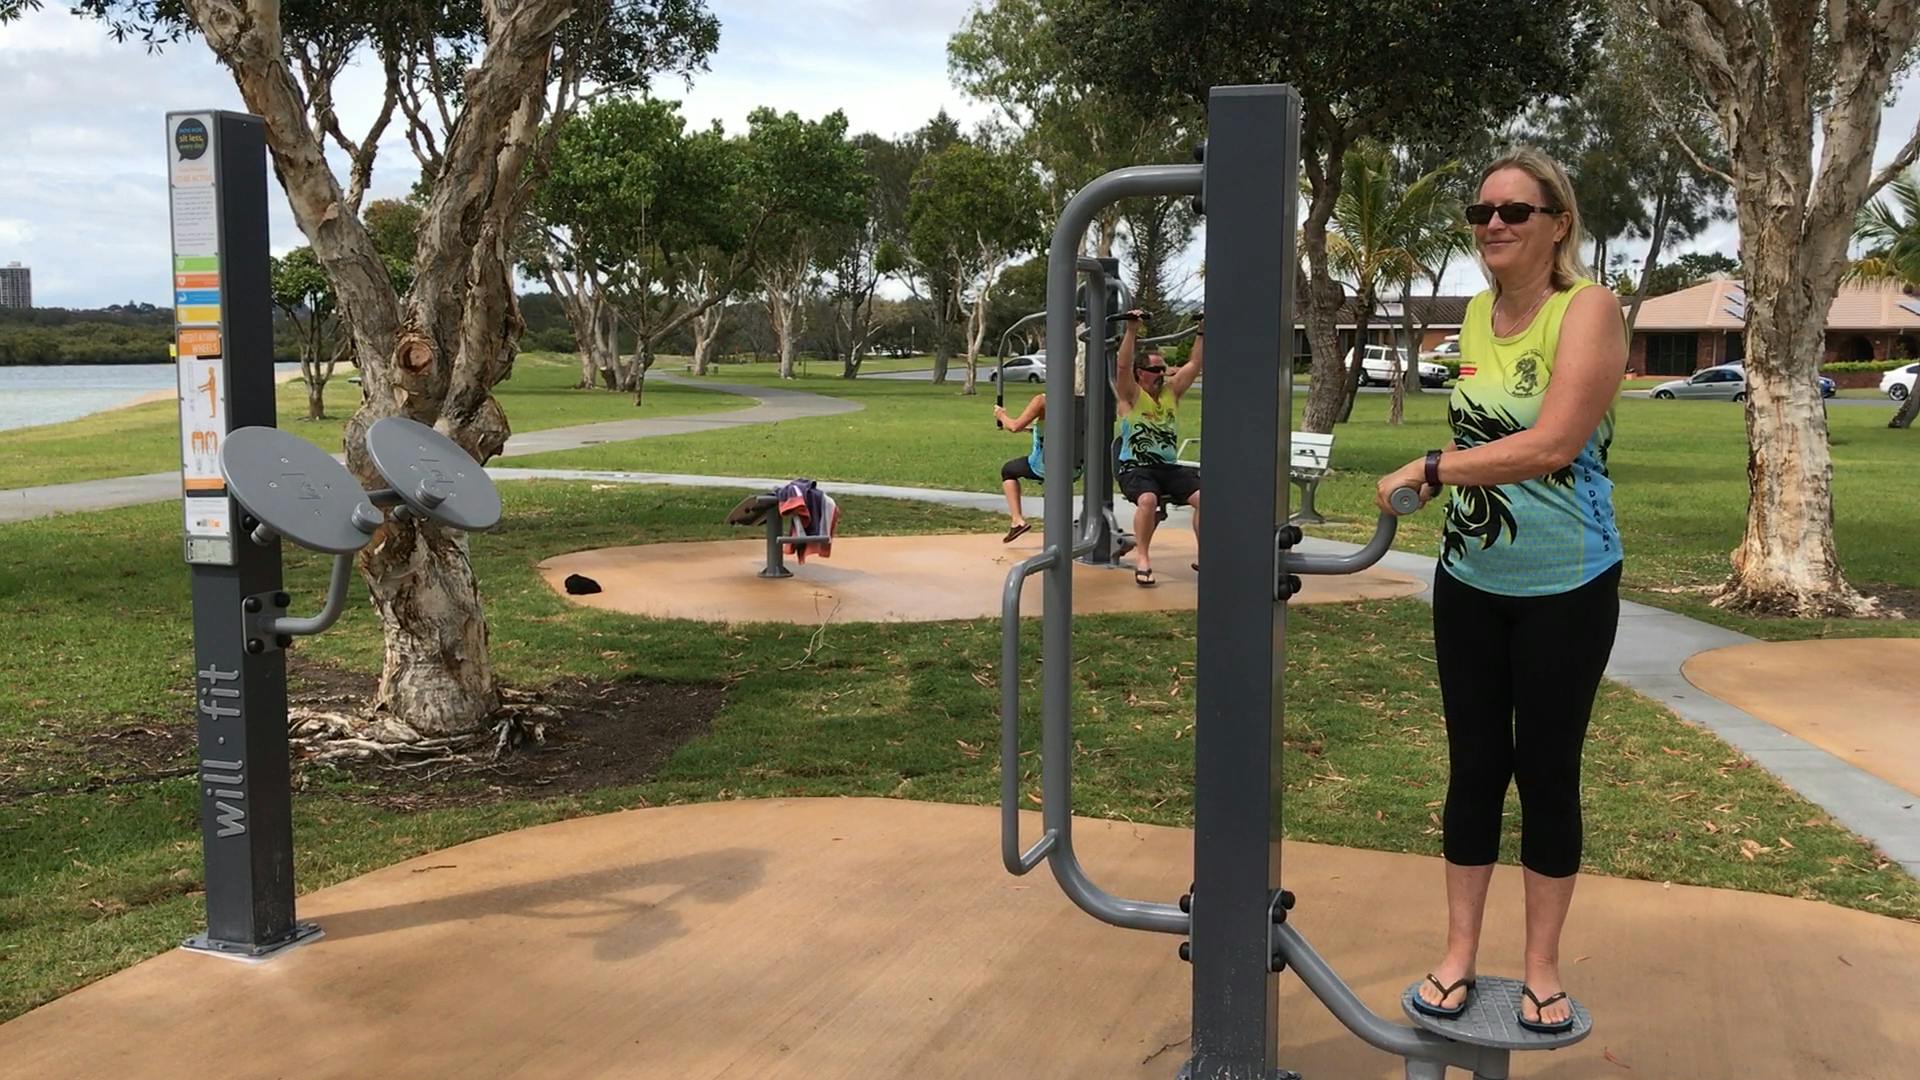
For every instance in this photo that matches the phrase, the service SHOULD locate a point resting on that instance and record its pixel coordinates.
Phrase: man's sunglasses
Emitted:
(1155, 370)
(1512, 213)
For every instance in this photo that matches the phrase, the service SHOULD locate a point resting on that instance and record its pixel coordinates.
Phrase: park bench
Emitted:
(1311, 457)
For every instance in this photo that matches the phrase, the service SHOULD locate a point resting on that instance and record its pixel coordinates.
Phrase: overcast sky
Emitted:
(85, 204)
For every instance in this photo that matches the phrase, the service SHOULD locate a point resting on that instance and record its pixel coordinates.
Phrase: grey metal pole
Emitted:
(1252, 159)
(224, 339)
(1057, 623)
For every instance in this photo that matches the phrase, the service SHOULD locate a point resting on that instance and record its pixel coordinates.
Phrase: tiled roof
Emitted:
(1722, 305)
(1432, 311)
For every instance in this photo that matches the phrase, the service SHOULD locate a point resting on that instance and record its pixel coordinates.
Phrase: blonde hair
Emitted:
(1568, 267)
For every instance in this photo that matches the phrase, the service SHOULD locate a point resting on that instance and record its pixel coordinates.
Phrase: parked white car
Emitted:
(1446, 350)
(1898, 383)
(1381, 361)
(1031, 368)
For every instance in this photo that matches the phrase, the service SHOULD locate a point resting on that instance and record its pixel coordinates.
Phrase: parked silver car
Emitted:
(1727, 382)
(1032, 369)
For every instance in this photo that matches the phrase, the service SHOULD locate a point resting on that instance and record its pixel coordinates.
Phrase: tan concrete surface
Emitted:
(896, 579)
(1856, 698)
(881, 940)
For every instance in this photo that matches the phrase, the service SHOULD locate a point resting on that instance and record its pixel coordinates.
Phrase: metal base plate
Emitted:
(253, 954)
(293, 487)
(1186, 1073)
(1493, 1018)
(410, 455)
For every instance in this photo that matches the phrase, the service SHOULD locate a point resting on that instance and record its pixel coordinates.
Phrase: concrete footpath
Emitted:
(771, 405)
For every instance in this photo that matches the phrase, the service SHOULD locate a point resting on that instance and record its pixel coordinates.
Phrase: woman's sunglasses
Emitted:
(1512, 213)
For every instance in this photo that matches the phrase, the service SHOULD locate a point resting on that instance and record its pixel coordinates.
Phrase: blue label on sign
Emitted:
(194, 297)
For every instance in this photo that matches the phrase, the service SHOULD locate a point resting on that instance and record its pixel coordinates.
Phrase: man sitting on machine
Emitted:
(1150, 437)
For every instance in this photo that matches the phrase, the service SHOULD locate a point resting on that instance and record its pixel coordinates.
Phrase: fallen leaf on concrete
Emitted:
(1608, 1054)
(1844, 960)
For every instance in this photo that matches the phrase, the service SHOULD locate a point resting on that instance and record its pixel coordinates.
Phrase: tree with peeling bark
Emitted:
(657, 218)
(1364, 68)
(812, 172)
(304, 295)
(480, 89)
(1772, 75)
(932, 284)
(863, 252)
(973, 212)
(1891, 229)
(1005, 54)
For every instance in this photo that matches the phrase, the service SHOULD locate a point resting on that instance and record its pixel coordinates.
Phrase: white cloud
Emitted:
(84, 199)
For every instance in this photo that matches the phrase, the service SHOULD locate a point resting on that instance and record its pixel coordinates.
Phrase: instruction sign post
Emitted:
(223, 342)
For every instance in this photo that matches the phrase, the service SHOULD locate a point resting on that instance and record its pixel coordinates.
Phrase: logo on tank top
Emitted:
(1526, 376)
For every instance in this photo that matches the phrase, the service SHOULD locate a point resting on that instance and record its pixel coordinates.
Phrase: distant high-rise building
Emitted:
(16, 286)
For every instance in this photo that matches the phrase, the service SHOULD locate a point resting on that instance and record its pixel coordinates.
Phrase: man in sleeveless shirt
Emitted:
(1149, 401)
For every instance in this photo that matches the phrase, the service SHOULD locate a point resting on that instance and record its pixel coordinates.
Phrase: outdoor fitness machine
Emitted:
(1100, 300)
(245, 485)
(1234, 923)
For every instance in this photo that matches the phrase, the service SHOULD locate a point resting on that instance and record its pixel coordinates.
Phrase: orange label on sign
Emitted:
(199, 343)
(196, 281)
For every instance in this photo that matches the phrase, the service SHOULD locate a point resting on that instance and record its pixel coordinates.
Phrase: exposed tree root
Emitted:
(333, 736)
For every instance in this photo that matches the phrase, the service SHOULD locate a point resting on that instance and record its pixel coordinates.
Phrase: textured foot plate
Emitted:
(1493, 1018)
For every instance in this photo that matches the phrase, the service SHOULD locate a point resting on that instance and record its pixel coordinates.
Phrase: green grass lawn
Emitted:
(1679, 467)
(101, 868)
(146, 438)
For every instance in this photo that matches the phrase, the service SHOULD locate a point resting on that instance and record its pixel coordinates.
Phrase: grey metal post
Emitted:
(224, 340)
(1096, 500)
(1057, 625)
(1252, 159)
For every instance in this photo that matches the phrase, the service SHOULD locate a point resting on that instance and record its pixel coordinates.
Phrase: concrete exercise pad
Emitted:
(897, 579)
(834, 939)
(1856, 698)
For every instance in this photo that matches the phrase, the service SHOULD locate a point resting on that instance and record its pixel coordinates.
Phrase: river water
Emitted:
(32, 395)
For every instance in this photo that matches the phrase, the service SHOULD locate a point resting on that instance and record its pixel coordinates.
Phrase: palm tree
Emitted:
(1385, 235)
(1890, 228)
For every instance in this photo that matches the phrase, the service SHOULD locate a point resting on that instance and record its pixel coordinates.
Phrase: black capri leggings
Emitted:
(1518, 676)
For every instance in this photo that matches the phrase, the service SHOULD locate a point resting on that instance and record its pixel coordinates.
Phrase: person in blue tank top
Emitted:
(1526, 595)
(1032, 467)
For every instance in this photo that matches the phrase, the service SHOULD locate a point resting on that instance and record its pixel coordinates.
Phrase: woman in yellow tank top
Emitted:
(1526, 597)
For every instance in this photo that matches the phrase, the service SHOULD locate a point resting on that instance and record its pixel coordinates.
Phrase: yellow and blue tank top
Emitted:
(1150, 432)
(1538, 537)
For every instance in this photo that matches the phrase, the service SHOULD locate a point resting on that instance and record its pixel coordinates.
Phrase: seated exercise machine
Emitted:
(1101, 299)
(1234, 923)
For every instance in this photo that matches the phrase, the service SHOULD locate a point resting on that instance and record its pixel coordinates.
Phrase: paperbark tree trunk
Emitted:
(1363, 306)
(434, 357)
(706, 330)
(1327, 392)
(1653, 249)
(1761, 75)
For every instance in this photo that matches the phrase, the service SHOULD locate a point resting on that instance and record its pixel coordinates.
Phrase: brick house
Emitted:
(1698, 327)
(1438, 316)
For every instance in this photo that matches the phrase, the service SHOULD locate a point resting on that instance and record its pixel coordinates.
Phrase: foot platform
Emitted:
(1493, 1018)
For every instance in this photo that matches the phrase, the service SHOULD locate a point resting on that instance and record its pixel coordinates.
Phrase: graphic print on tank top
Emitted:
(1536, 536)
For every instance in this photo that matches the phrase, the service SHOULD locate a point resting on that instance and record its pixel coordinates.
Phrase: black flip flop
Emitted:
(1196, 568)
(1144, 579)
(1437, 1011)
(1015, 533)
(1540, 1009)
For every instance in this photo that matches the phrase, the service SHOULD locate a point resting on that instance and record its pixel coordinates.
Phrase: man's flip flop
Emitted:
(1015, 533)
(1144, 579)
(1445, 992)
(1540, 1009)
(1196, 568)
